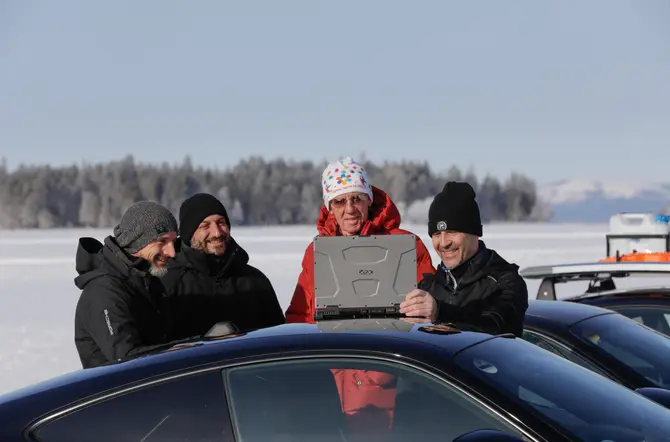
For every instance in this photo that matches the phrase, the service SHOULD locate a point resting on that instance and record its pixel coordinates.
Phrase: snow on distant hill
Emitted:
(597, 200)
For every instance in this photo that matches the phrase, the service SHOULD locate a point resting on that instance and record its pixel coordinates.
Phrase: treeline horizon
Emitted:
(255, 191)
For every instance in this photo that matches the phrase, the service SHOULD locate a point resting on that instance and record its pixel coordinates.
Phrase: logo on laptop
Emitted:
(365, 272)
(442, 225)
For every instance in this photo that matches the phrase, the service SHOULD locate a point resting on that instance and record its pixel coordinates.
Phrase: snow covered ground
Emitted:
(38, 297)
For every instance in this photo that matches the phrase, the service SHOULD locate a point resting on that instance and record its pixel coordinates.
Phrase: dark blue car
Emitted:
(610, 285)
(276, 384)
(603, 341)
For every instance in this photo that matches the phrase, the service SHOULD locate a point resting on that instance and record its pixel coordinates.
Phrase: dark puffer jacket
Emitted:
(118, 312)
(485, 291)
(204, 289)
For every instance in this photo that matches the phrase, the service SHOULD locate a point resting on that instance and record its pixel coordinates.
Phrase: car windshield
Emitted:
(634, 345)
(590, 407)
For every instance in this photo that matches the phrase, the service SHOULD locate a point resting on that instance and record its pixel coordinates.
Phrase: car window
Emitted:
(590, 407)
(334, 399)
(190, 408)
(563, 351)
(657, 318)
(535, 338)
(641, 349)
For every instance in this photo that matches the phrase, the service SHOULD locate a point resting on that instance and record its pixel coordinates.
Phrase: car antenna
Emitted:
(221, 329)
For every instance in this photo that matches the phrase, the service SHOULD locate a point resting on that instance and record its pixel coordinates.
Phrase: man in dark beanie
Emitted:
(473, 284)
(118, 313)
(211, 280)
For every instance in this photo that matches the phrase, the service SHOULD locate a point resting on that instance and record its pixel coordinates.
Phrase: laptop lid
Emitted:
(362, 276)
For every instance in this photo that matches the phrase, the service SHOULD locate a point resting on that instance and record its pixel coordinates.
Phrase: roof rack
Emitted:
(600, 275)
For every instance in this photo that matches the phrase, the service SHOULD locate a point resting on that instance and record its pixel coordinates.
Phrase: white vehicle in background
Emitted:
(637, 245)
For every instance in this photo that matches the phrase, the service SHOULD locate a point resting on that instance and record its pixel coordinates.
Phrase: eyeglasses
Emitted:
(355, 200)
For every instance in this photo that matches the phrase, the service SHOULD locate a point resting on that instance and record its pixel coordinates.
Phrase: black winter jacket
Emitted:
(204, 289)
(118, 312)
(485, 291)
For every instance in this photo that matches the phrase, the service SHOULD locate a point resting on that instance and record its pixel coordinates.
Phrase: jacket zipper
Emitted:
(454, 282)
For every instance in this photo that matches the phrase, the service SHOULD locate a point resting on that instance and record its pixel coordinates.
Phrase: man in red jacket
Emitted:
(352, 206)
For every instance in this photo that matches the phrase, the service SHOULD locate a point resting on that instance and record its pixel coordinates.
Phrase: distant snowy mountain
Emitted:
(597, 200)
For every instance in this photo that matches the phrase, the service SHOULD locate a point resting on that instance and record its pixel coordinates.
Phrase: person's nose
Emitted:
(350, 207)
(216, 231)
(169, 250)
(445, 241)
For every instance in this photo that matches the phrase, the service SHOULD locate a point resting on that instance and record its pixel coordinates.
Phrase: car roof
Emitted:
(562, 312)
(348, 333)
(358, 335)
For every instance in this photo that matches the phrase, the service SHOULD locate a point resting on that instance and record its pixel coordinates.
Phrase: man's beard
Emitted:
(207, 246)
(158, 271)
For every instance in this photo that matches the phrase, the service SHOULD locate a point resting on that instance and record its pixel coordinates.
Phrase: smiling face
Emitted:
(158, 252)
(212, 235)
(454, 248)
(351, 211)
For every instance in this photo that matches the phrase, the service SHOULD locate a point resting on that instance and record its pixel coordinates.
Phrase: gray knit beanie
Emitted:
(143, 223)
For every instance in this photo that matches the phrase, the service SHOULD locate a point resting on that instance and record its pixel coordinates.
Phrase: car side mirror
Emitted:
(658, 395)
(487, 436)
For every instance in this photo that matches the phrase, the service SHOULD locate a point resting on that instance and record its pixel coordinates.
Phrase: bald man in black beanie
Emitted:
(473, 284)
(210, 280)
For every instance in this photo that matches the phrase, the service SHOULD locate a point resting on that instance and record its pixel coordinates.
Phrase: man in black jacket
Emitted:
(118, 312)
(473, 284)
(211, 280)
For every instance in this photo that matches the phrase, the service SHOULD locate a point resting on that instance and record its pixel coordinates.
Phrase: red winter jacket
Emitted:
(383, 219)
(358, 388)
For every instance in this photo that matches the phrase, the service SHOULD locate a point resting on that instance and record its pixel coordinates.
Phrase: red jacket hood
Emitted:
(383, 217)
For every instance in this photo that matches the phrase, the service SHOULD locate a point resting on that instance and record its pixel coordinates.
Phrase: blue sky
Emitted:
(556, 90)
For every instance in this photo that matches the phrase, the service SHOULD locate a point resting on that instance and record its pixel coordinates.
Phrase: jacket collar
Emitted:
(469, 270)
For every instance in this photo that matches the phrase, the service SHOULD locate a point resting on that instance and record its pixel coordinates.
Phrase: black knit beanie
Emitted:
(194, 210)
(455, 208)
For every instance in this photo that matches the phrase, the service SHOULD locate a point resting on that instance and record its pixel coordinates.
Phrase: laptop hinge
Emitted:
(336, 313)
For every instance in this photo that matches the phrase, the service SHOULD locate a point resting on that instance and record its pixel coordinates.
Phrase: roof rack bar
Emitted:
(586, 270)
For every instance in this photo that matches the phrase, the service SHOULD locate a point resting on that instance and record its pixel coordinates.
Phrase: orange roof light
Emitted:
(640, 257)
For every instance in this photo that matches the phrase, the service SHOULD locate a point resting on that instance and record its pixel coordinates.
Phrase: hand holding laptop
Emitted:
(419, 303)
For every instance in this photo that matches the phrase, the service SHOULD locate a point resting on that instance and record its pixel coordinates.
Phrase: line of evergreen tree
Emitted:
(255, 191)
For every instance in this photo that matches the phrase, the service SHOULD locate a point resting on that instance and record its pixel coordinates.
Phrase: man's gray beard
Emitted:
(158, 272)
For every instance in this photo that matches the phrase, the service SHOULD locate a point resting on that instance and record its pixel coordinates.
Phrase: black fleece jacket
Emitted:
(203, 289)
(485, 291)
(118, 313)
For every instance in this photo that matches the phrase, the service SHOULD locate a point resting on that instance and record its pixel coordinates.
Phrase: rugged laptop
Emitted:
(363, 276)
